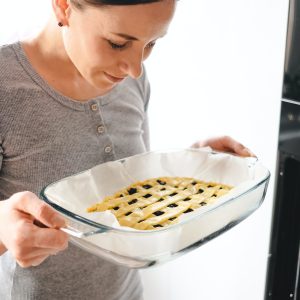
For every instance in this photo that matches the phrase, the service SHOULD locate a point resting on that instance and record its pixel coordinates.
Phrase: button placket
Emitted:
(100, 129)
(107, 149)
(94, 107)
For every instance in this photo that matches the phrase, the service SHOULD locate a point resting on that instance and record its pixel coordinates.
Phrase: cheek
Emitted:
(97, 56)
(75, 46)
(85, 51)
(147, 54)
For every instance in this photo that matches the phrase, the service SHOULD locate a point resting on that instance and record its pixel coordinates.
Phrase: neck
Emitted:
(49, 44)
(46, 52)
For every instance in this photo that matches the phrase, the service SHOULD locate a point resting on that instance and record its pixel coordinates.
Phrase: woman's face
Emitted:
(107, 44)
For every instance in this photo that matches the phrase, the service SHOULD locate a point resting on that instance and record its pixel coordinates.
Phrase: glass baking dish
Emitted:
(101, 235)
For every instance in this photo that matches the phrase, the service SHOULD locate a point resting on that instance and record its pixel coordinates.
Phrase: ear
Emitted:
(60, 8)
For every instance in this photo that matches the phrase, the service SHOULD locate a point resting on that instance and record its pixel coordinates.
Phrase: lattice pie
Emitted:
(158, 202)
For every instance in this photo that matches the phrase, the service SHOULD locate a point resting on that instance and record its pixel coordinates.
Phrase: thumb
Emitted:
(29, 203)
(247, 152)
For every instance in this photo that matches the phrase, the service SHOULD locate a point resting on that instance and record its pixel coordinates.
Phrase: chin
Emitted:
(103, 87)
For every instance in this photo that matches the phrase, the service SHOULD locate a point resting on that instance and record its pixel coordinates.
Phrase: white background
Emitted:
(219, 71)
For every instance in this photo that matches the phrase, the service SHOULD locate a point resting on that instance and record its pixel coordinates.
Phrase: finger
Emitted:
(236, 147)
(242, 150)
(247, 152)
(38, 260)
(50, 238)
(31, 204)
(32, 262)
(197, 144)
(38, 252)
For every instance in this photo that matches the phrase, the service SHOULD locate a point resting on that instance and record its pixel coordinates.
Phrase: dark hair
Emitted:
(80, 3)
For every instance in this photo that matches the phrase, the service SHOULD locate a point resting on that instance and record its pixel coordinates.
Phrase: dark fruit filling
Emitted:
(147, 186)
(132, 191)
(132, 201)
(161, 182)
(158, 213)
(187, 199)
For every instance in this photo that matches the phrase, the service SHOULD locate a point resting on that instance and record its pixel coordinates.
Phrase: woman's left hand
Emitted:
(226, 144)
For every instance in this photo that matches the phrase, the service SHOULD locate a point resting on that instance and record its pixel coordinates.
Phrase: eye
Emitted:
(116, 46)
(150, 45)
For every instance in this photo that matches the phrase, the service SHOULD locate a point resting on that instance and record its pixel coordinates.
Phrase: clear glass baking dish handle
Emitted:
(251, 160)
(79, 234)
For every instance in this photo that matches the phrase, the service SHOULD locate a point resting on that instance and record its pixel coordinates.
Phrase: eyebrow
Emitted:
(126, 36)
(130, 37)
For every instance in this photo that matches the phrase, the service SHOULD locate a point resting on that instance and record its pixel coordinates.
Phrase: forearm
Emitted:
(2, 247)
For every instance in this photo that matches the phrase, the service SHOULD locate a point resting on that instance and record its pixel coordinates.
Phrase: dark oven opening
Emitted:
(283, 268)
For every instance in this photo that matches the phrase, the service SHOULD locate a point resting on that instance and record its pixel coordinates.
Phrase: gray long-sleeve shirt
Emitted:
(45, 136)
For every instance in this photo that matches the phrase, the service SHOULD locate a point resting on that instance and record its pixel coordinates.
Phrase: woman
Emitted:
(73, 97)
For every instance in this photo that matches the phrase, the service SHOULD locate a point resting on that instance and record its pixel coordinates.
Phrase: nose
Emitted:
(132, 65)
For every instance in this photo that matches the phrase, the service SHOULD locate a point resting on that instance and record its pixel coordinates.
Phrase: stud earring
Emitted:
(60, 24)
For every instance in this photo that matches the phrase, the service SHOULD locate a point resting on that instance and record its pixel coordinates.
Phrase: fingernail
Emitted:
(248, 152)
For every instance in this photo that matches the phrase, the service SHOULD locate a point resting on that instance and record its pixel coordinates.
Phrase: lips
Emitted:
(113, 78)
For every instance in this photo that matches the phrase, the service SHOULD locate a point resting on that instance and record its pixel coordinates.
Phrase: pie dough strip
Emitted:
(159, 202)
(160, 219)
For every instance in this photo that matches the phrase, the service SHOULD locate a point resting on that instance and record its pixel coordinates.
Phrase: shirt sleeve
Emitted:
(146, 135)
(1, 156)
(145, 126)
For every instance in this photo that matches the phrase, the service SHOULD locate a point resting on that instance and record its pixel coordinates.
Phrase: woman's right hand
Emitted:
(29, 243)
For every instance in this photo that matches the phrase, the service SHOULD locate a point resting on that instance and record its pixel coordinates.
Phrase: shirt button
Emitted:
(100, 129)
(94, 107)
(107, 149)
